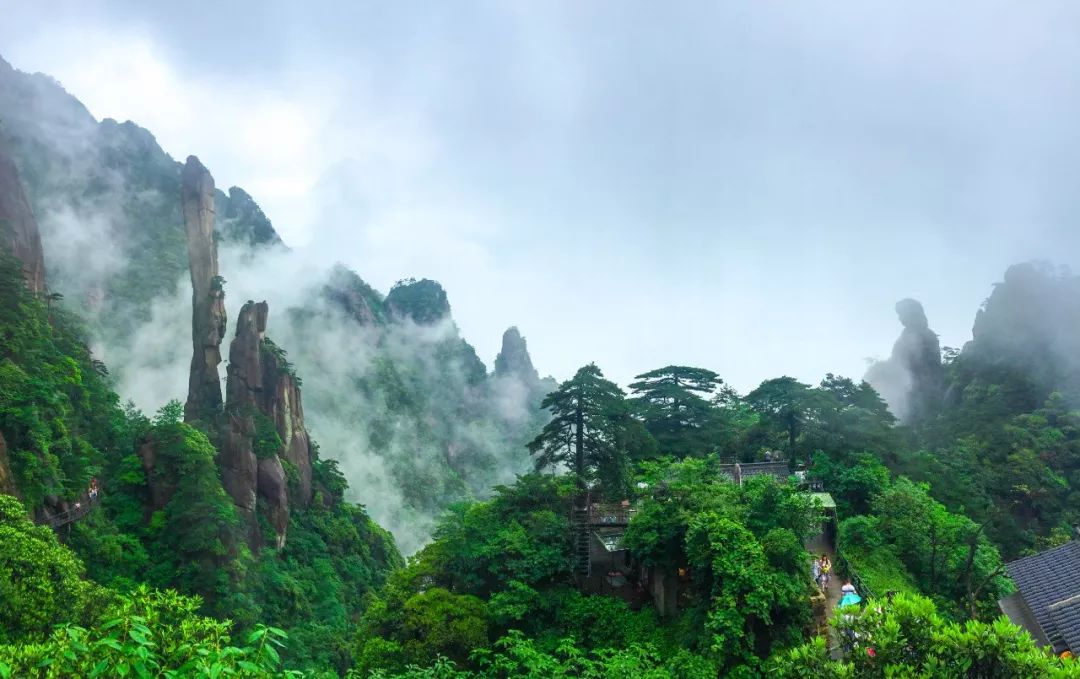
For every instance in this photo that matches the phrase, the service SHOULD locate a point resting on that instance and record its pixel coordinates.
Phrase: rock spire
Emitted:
(912, 379)
(266, 452)
(18, 229)
(514, 360)
(207, 294)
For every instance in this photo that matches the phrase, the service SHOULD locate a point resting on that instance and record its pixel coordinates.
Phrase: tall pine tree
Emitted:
(673, 403)
(588, 421)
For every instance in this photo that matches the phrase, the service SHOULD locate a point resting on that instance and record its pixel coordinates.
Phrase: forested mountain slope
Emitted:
(394, 392)
(156, 489)
(997, 431)
(559, 530)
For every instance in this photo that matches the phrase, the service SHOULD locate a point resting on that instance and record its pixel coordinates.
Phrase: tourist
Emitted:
(850, 596)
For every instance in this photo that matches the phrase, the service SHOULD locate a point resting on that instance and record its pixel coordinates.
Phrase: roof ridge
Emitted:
(1071, 544)
(1058, 605)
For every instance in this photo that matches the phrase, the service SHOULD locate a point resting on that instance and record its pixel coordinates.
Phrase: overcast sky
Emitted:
(745, 186)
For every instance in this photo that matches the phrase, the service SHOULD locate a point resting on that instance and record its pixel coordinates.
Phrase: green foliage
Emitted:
(911, 541)
(431, 623)
(56, 411)
(422, 301)
(748, 596)
(40, 581)
(588, 417)
(908, 638)
(277, 356)
(865, 554)
(743, 546)
(316, 586)
(673, 404)
(194, 537)
(852, 481)
(785, 403)
(147, 634)
(266, 442)
(518, 657)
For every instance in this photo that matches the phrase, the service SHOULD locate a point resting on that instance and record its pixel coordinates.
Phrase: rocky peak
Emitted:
(912, 379)
(514, 360)
(353, 296)
(18, 229)
(423, 301)
(245, 222)
(266, 452)
(207, 293)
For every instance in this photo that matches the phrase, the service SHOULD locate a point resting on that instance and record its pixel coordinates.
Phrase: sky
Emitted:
(743, 186)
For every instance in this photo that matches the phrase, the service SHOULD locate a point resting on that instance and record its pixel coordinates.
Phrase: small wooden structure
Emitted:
(598, 529)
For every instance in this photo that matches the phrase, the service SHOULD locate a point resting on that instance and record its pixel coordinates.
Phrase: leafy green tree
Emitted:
(430, 624)
(852, 481)
(743, 545)
(588, 416)
(40, 580)
(850, 418)
(148, 634)
(909, 638)
(516, 656)
(785, 403)
(745, 593)
(197, 530)
(674, 403)
(57, 413)
(945, 555)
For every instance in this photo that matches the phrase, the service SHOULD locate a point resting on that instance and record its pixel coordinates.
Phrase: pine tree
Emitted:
(673, 403)
(589, 416)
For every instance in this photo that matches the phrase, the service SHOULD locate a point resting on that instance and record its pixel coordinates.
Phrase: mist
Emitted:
(751, 197)
(333, 355)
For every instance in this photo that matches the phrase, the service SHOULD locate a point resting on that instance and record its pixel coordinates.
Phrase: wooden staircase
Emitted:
(579, 522)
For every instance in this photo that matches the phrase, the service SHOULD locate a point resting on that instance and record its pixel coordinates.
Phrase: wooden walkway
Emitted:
(77, 511)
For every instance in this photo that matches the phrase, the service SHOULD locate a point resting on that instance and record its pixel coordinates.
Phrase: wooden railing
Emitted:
(610, 515)
(844, 566)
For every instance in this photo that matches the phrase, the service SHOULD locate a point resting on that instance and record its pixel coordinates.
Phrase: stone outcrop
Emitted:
(514, 360)
(912, 379)
(161, 486)
(7, 480)
(207, 294)
(266, 453)
(18, 229)
(358, 300)
(424, 301)
(245, 222)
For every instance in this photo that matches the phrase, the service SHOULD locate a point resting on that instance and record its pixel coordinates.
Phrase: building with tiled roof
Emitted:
(1047, 600)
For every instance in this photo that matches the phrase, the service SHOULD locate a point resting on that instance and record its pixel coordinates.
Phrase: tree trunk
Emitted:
(579, 443)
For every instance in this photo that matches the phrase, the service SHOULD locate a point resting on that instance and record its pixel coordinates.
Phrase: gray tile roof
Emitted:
(1018, 613)
(778, 470)
(1046, 580)
(1066, 618)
